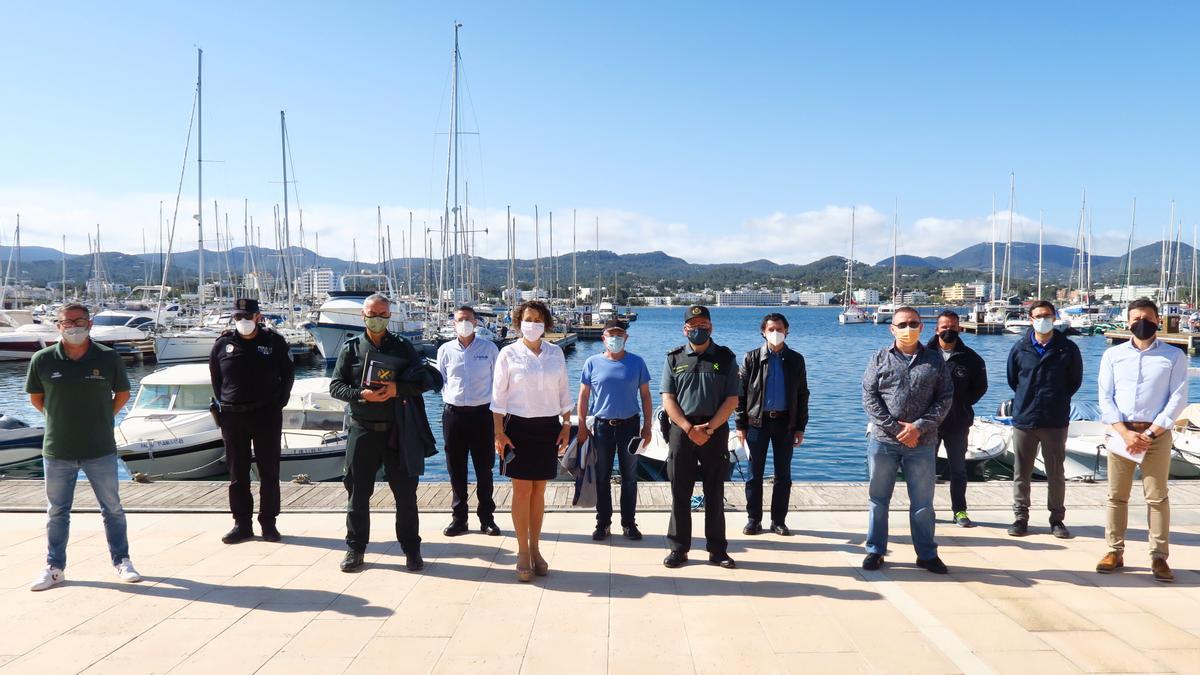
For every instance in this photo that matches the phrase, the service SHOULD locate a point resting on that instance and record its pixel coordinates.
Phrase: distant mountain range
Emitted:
(42, 266)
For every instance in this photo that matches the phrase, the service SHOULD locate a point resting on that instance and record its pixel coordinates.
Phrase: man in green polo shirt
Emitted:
(79, 386)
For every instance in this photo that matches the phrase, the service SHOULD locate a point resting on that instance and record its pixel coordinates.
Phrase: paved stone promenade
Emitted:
(797, 604)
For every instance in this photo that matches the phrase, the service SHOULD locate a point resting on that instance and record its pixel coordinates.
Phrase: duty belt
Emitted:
(616, 423)
(775, 414)
(241, 407)
(1137, 426)
(371, 426)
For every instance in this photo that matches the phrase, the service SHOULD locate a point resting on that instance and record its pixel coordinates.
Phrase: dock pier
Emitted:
(1188, 342)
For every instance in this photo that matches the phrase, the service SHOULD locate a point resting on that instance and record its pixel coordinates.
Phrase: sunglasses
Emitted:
(77, 323)
(242, 316)
(910, 324)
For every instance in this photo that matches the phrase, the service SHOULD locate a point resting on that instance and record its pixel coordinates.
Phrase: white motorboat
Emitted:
(885, 312)
(23, 342)
(652, 459)
(169, 432)
(986, 440)
(20, 444)
(1185, 455)
(194, 344)
(340, 316)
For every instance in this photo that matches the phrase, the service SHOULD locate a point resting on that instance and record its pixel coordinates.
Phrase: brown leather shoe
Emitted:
(1162, 571)
(1111, 562)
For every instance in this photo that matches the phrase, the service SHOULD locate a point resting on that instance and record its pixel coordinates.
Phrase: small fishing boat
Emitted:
(986, 440)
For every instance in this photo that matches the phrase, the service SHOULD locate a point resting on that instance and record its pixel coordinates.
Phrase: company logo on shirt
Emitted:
(265, 351)
(55, 375)
(95, 375)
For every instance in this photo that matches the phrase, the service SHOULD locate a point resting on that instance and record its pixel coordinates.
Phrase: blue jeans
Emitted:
(101, 473)
(608, 440)
(883, 461)
(775, 433)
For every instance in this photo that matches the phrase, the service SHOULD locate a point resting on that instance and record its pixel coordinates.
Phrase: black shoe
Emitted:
(632, 533)
(490, 529)
(455, 528)
(1060, 531)
(781, 529)
(752, 528)
(414, 562)
(237, 535)
(271, 533)
(872, 562)
(675, 559)
(600, 533)
(723, 560)
(1019, 528)
(353, 561)
(934, 565)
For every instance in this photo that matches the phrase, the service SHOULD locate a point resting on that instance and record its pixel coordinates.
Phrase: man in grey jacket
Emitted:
(907, 392)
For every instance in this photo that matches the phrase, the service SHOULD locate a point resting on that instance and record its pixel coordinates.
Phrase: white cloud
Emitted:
(48, 213)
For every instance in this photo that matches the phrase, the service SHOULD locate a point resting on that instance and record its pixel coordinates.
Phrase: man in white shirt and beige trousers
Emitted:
(1143, 389)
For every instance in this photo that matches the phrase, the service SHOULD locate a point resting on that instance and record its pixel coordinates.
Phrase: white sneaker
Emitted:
(51, 576)
(126, 571)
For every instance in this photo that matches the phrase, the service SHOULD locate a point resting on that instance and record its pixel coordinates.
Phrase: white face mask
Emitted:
(464, 328)
(775, 338)
(1043, 325)
(615, 344)
(245, 326)
(76, 335)
(532, 330)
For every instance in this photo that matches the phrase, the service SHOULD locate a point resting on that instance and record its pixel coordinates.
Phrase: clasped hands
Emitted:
(909, 435)
(383, 393)
(1135, 442)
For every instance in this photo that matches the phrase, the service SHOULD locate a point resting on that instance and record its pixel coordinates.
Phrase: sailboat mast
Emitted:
(287, 232)
(1041, 237)
(1012, 194)
(200, 173)
(895, 247)
(575, 270)
(1129, 249)
(850, 265)
(64, 268)
(993, 289)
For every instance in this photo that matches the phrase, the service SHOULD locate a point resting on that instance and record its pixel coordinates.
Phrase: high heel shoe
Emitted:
(541, 569)
(524, 574)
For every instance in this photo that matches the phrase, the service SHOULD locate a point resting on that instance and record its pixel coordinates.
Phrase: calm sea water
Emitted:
(834, 447)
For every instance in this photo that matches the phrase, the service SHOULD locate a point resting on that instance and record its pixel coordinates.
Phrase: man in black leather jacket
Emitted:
(772, 410)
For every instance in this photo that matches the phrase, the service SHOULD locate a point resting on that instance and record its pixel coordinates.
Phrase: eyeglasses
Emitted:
(377, 316)
(910, 324)
(77, 323)
(242, 316)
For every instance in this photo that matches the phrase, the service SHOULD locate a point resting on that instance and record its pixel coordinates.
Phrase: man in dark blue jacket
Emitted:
(1044, 371)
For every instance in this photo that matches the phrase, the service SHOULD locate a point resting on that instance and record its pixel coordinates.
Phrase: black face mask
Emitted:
(698, 336)
(948, 336)
(1143, 329)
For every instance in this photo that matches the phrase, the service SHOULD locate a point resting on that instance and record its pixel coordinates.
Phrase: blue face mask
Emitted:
(698, 336)
(614, 344)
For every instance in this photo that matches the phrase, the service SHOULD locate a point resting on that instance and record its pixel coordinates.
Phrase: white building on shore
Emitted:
(749, 299)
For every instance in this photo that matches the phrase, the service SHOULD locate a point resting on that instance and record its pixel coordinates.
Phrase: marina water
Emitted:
(834, 446)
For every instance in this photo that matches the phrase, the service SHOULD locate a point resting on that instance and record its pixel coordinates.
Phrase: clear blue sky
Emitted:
(714, 131)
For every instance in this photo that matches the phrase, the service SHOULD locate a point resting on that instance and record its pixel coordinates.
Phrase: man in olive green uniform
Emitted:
(375, 436)
(700, 385)
(79, 385)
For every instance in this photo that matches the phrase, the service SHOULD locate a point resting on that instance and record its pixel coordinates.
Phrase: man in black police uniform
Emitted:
(374, 435)
(251, 371)
(700, 385)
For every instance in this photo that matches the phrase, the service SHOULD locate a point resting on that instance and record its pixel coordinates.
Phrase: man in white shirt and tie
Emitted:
(467, 365)
(1143, 389)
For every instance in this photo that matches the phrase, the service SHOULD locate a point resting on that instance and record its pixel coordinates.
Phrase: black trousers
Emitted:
(710, 462)
(775, 433)
(956, 454)
(467, 433)
(242, 431)
(366, 451)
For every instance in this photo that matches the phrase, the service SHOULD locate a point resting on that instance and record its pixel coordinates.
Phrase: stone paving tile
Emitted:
(796, 604)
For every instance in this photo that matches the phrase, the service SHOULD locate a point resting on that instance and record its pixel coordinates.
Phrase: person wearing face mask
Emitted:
(531, 411)
(378, 432)
(699, 392)
(907, 392)
(772, 410)
(1045, 370)
(79, 386)
(467, 365)
(250, 367)
(1143, 387)
(969, 373)
(614, 387)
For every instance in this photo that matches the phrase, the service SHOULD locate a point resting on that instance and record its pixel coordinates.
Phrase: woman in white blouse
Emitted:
(532, 411)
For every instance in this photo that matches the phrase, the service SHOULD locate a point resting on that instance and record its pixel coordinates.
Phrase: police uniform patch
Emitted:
(696, 311)
(228, 349)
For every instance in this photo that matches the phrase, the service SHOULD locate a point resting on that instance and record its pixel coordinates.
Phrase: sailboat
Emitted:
(885, 311)
(851, 312)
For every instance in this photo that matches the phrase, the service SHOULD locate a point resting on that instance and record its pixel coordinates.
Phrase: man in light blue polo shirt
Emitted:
(467, 364)
(616, 379)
